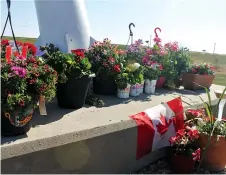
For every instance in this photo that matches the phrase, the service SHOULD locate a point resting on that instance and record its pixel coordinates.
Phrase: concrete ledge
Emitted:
(88, 140)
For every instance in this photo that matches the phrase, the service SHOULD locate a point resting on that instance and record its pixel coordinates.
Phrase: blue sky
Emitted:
(197, 24)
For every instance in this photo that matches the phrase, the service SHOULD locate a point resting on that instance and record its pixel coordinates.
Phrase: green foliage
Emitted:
(106, 59)
(66, 63)
(152, 72)
(201, 69)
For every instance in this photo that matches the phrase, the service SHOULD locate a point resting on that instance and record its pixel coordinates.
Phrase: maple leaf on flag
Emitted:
(163, 126)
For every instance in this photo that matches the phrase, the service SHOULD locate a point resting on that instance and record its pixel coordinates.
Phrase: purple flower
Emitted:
(21, 72)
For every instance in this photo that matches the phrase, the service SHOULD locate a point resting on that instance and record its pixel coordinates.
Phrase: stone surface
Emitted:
(97, 134)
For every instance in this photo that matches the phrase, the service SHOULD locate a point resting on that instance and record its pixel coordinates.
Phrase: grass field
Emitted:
(219, 61)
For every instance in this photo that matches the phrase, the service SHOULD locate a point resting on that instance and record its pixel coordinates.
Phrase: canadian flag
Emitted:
(157, 124)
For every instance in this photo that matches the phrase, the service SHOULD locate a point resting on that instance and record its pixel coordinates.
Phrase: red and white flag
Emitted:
(157, 124)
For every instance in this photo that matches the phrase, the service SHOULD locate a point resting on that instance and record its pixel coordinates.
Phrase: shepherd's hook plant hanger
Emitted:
(130, 34)
(10, 22)
(156, 34)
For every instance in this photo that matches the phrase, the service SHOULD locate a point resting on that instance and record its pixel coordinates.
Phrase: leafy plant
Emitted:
(123, 80)
(200, 69)
(135, 71)
(66, 63)
(105, 58)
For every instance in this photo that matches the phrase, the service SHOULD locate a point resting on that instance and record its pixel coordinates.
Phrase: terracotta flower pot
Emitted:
(190, 79)
(160, 82)
(215, 155)
(181, 164)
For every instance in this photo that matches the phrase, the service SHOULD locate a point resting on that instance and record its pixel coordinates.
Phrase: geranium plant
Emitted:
(66, 63)
(24, 80)
(183, 143)
(200, 69)
(105, 58)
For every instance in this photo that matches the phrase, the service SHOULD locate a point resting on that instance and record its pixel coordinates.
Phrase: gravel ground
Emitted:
(163, 167)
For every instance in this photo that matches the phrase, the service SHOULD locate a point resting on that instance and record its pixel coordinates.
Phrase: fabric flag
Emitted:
(156, 125)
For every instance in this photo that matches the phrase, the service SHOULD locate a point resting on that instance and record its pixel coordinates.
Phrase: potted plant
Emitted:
(123, 84)
(106, 62)
(74, 75)
(135, 52)
(23, 81)
(197, 76)
(212, 128)
(157, 54)
(213, 136)
(184, 154)
(152, 71)
(178, 59)
(136, 78)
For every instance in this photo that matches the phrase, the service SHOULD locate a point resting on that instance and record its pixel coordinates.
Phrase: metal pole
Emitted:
(214, 48)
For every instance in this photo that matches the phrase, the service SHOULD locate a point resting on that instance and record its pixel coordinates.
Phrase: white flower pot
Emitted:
(149, 86)
(141, 87)
(124, 93)
(135, 90)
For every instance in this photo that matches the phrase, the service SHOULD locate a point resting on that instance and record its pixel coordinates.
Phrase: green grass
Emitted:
(219, 61)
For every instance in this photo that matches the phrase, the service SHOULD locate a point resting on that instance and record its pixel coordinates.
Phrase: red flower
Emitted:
(79, 52)
(196, 155)
(193, 134)
(111, 59)
(116, 68)
(173, 140)
(160, 67)
(5, 42)
(21, 103)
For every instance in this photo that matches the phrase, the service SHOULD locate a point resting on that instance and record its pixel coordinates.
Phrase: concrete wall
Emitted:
(110, 153)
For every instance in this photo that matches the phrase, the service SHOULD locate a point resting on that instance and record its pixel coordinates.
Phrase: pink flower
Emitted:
(173, 140)
(149, 52)
(145, 60)
(196, 155)
(111, 60)
(21, 72)
(157, 40)
(20, 57)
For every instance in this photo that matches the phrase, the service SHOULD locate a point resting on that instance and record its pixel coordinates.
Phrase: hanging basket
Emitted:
(16, 122)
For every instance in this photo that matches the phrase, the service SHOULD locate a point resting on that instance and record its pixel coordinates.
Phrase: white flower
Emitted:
(136, 66)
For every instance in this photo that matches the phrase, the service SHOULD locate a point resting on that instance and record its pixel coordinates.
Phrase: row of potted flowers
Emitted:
(41, 73)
